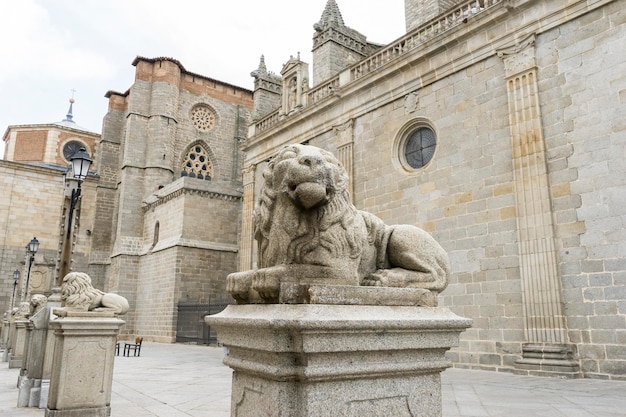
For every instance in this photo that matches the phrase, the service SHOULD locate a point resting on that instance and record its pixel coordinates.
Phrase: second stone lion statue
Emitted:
(309, 232)
(77, 292)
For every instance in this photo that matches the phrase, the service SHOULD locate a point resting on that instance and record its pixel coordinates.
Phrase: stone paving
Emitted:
(177, 380)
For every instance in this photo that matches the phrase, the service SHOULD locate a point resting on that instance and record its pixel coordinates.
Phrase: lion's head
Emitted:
(77, 291)
(309, 176)
(37, 302)
(304, 215)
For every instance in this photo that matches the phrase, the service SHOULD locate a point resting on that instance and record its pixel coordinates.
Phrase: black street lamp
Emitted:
(16, 278)
(32, 248)
(80, 168)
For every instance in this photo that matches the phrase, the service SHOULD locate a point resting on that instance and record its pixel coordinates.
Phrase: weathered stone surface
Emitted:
(31, 373)
(336, 360)
(78, 293)
(309, 232)
(82, 371)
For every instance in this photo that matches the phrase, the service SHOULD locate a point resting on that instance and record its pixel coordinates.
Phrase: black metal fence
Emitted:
(191, 328)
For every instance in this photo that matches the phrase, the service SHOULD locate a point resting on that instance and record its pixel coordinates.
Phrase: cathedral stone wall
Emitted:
(464, 198)
(32, 206)
(584, 89)
(530, 139)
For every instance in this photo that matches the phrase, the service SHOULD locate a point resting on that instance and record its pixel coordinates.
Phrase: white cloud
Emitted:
(33, 43)
(49, 47)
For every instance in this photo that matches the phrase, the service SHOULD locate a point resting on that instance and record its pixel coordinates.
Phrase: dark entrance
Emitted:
(191, 328)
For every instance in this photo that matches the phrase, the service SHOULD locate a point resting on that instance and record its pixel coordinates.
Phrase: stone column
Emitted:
(336, 360)
(547, 350)
(247, 226)
(82, 371)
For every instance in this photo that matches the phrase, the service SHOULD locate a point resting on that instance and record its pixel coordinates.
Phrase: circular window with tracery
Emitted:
(70, 148)
(420, 147)
(415, 145)
(203, 118)
(197, 164)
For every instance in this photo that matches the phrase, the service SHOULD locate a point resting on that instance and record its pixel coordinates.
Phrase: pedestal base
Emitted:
(82, 371)
(549, 359)
(15, 362)
(80, 412)
(336, 360)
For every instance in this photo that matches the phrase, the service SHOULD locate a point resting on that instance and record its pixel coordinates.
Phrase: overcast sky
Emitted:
(50, 47)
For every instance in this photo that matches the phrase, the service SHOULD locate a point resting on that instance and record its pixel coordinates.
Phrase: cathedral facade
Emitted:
(495, 125)
(498, 127)
(160, 213)
(169, 196)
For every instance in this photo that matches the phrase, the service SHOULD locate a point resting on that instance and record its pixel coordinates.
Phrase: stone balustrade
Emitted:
(440, 24)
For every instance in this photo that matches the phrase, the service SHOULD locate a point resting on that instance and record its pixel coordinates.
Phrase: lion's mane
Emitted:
(329, 227)
(77, 291)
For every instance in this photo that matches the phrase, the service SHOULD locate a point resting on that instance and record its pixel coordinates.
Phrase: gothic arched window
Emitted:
(197, 164)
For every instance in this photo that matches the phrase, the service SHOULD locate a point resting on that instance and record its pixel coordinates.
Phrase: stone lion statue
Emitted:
(78, 293)
(308, 230)
(37, 303)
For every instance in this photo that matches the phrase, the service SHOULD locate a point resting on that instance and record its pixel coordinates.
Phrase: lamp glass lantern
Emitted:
(80, 164)
(16, 276)
(33, 246)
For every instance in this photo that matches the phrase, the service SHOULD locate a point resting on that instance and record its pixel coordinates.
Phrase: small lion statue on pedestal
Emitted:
(78, 293)
(310, 234)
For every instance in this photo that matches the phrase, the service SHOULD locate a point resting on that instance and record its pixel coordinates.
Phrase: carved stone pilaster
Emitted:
(247, 222)
(541, 285)
(519, 58)
(344, 134)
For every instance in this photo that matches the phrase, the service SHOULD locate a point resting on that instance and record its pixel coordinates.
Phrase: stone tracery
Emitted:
(197, 164)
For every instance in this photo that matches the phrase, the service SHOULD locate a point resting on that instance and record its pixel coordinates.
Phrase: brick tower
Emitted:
(170, 192)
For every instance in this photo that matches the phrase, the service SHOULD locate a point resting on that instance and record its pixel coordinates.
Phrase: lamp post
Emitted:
(16, 278)
(80, 168)
(31, 248)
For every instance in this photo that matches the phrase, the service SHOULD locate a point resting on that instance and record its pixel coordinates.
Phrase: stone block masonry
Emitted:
(172, 238)
(478, 195)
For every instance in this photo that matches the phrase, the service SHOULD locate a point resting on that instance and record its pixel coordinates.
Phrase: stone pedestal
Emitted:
(336, 360)
(53, 303)
(4, 334)
(6, 326)
(82, 371)
(18, 343)
(31, 373)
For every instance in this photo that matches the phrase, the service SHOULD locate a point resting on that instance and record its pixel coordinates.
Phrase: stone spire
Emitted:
(69, 116)
(267, 90)
(330, 17)
(262, 70)
(335, 45)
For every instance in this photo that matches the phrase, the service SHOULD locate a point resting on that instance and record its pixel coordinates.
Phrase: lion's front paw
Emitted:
(386, 278)
(266, 282)
(375, 280)
(238, 285)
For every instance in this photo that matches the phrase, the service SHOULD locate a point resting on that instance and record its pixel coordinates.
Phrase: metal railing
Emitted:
(191, 328)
